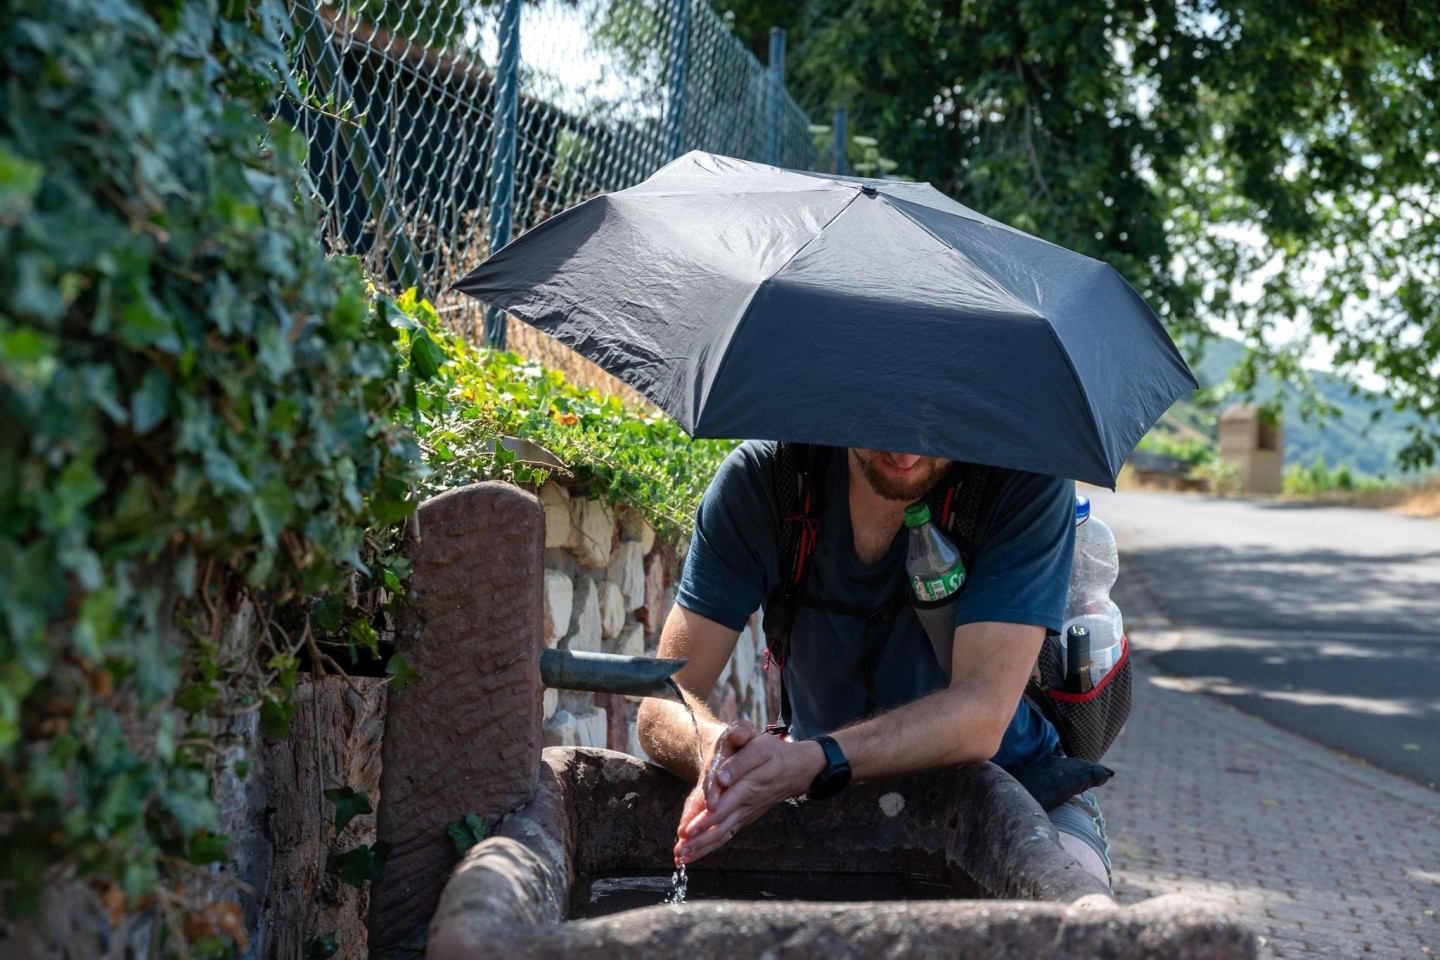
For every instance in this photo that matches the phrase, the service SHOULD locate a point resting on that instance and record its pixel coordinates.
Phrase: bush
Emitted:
(200, 408)
(634, 458)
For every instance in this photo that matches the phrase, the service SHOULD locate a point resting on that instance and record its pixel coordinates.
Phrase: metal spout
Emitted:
(610, 673)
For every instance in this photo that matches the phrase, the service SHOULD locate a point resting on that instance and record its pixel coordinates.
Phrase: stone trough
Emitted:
(972, 835)
(995, 879)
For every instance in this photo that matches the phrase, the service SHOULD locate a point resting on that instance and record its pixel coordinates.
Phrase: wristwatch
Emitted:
(836, 774)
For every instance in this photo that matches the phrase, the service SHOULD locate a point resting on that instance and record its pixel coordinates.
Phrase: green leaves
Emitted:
(465, 833)
(398, 673)
(479, 398)
(348, 804)
(201, 410)
(19, 182)
(362, 864)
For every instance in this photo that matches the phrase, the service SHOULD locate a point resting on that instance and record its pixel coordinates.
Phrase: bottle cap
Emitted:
(917, 514)
(1082, 509)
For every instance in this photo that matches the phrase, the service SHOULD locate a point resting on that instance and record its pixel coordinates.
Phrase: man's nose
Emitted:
(904, 460)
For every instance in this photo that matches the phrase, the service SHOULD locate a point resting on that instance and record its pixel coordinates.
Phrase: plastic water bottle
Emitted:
(935, 572)
(1088, 604)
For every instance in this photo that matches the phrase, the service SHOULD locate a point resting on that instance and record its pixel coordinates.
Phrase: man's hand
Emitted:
(749, 774)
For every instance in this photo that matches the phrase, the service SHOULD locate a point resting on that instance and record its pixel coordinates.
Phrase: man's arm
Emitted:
(663, 727)
(962, 724)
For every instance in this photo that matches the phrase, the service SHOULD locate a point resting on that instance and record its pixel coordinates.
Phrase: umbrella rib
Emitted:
(729, 339)
(900, 205)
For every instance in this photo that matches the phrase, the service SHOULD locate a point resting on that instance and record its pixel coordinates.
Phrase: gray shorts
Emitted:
(1080, 817)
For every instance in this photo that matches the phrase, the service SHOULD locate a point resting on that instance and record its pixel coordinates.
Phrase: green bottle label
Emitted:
(930, 589)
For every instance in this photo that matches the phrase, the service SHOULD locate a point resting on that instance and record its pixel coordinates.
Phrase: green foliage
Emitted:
(322, 948)
(1188, 450)
(200, 410)
(1277, 149)
(1318, 477)
(632, 458)
(349, 804)
(464, 834)
(364, 864)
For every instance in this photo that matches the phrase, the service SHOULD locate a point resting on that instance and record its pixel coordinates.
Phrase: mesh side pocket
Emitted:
(1087, 722)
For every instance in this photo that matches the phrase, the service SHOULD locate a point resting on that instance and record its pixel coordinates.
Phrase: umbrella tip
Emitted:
(868, 189)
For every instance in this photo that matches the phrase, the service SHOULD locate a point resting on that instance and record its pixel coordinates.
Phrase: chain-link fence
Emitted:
(440, 129)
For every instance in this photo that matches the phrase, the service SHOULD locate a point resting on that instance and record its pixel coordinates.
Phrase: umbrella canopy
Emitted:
(753, 302)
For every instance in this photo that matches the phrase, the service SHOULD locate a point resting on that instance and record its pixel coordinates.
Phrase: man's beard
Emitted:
(909, 489)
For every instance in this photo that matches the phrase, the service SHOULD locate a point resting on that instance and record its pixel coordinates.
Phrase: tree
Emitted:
(1202, 147)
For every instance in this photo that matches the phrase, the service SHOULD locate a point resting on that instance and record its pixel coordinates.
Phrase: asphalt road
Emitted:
(1322, 620)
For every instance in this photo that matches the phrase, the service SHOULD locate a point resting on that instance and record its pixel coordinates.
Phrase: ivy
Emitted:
(205, 414)
(465, 833)
(349, 803)
(202, 412)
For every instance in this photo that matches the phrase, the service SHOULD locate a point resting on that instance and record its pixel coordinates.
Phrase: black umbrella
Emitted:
(748, 301)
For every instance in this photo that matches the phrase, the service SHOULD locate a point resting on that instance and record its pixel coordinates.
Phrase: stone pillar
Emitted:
(466, 738)
(1256, 445)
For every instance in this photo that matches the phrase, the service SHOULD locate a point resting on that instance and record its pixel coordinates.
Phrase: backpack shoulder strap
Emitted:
(799, 481)
(964, 492)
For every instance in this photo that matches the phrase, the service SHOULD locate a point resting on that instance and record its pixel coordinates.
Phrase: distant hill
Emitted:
(1352, 439)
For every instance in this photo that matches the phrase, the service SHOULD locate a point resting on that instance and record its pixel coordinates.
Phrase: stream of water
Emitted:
(679, 882)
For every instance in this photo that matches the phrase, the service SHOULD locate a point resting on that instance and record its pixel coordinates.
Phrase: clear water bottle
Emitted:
(935, 572)
(1088, 604)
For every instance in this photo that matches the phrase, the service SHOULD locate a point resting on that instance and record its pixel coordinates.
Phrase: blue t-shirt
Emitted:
(839, 668)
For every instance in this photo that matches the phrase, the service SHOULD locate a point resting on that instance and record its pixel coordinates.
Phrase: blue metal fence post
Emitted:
(675, 78)
(502, 156)
(777, 94)
(842, 162)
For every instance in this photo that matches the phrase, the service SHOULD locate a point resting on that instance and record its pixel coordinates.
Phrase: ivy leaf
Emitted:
(205, 848)
(275, 717)
(425, 356)
(464, 834)
(348, 804)
(19, 182)
(398, 673)
(322, 948)
(363, 863)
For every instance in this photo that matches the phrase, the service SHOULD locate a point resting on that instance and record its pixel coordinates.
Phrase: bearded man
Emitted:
(866, 695)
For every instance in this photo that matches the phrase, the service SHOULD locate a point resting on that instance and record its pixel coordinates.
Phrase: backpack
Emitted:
(1087, 724)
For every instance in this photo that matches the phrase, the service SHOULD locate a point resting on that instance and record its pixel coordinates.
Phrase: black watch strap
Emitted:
(836, 774)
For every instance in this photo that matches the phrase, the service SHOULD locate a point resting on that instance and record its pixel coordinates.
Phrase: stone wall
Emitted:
(608, 588)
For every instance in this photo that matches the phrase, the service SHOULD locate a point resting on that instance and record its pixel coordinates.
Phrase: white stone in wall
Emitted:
(591, 728)
(612, 610)
(586, 635)
(556, 500)
(559, 600)
(592, 532)
(627, 571)
(632, 641)
(552, 702)
(560, 730)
